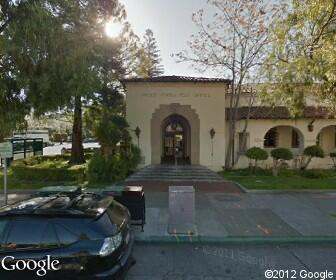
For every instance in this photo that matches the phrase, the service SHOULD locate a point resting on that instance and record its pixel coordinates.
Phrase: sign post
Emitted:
(5, 182)
(6, 151)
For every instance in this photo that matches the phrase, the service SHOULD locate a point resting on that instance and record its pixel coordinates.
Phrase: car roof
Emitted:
(81, 205)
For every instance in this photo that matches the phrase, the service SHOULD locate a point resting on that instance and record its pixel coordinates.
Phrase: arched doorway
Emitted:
(176, 140)
(326, 139)
(190, 121)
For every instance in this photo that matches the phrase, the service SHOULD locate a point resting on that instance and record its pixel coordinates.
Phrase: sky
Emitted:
(172, 25)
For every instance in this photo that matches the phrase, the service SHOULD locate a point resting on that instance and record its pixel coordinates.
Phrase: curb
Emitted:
(293, 191)
(241, 187)
(245, 190)
(22, 191)
(235, 240)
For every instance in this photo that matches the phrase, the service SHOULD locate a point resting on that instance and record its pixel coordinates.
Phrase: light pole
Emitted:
(137, 131)
(212, 133)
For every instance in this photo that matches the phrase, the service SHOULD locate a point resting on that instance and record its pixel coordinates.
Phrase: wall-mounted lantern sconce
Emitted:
(212, 133)
(311, 126)
(137, 131)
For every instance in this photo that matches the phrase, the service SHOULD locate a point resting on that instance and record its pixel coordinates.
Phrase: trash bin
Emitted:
(115, 191)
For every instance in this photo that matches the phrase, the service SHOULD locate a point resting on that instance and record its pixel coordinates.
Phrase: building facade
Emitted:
(183, 120)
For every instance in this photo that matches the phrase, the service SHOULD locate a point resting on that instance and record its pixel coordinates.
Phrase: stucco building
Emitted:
(183, 120)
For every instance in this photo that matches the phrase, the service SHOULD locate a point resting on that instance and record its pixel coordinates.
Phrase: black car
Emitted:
(75, 236)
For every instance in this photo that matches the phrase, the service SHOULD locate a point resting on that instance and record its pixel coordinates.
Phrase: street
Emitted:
(215, 262)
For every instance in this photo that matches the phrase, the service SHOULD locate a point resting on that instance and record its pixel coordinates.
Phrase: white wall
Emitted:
(258, 128)
(208, 99)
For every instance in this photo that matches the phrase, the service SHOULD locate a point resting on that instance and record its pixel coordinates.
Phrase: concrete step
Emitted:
(174, 177)
(175, 173)
(178, 173)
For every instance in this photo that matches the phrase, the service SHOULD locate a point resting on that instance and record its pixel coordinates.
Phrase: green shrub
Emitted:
(134, 158)
(107, 170)
(333, 157)
(111, 169)
(256, 153)
(31, 173)
(48, 169)
(318, 173)
(282, 154)
(312, 152)
(38, 160)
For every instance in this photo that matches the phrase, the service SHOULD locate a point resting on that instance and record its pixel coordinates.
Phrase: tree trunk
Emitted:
(77, 150)
(275, 167)
(304, 167)
(229, 144)
(244, 131)
(107, 151)
(334, 161)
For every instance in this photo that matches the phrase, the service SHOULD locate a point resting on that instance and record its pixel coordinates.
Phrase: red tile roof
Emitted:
(174, 79)
(281, 112)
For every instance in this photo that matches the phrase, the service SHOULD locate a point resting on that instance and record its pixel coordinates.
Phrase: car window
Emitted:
(3, 225)
(29, 234)
(49, 237)
(65, 236)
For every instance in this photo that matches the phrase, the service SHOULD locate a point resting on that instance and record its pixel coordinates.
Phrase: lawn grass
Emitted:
(287, 181)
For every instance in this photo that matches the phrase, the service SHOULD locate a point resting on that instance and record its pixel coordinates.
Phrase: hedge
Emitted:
(48, 169)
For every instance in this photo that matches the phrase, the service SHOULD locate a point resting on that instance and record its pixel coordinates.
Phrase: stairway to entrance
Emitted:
(179, 173)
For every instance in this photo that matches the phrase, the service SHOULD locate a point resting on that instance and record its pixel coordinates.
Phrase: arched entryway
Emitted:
(326, 139)
(179, 122)
(176, 140)
(284, 136)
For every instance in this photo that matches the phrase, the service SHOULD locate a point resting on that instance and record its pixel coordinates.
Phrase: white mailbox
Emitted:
(181, 210)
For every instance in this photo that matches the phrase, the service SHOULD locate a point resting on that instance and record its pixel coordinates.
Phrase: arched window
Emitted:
(319, 139)
(271, 138)
(295, 139)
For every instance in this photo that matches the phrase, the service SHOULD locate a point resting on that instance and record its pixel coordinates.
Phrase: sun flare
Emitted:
(113, 29)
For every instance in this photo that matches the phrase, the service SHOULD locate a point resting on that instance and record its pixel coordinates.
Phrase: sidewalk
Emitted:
(248, 217)
(275, 217)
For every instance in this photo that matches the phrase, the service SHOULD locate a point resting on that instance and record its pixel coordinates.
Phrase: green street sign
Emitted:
(6, 150)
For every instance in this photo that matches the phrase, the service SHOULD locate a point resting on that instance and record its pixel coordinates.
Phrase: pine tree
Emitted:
(149, 64)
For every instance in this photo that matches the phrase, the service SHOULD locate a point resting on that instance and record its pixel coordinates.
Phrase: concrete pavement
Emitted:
(220, 217)
(244, 217)
(229, 262)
